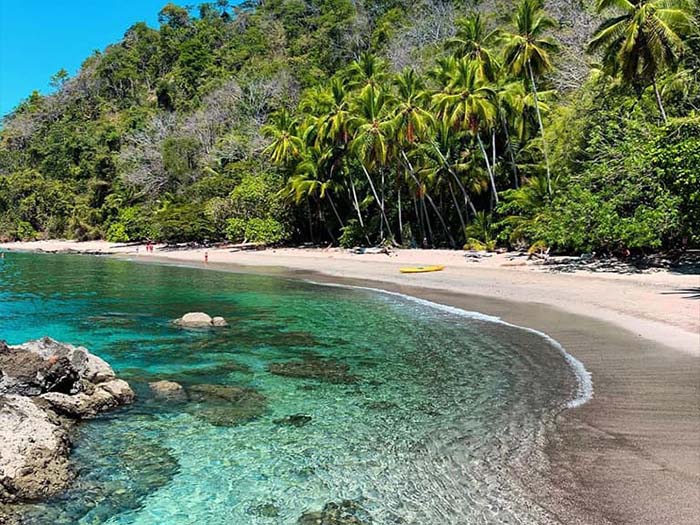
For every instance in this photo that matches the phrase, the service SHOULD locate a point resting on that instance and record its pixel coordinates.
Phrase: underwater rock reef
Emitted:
(45, 388)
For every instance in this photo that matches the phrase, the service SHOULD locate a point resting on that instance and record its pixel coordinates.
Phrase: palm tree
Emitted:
(467, 103)
(372, 139)
(412, 122)
(286, 143)
(527, 52)
(367, 71)
(472, 41)
(313, 178)
(332, 129)
(643, 39)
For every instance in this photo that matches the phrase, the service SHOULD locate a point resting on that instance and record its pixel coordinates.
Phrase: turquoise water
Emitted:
(424, 418)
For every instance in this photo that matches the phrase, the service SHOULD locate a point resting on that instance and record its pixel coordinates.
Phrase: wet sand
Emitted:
(632, 453)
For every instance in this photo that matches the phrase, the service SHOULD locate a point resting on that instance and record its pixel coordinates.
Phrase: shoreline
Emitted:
(629, 455)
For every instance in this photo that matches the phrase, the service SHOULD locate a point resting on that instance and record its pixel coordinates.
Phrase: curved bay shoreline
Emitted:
(632, 453)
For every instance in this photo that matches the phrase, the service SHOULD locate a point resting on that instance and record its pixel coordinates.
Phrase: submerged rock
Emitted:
(169, 390)
(225, 405)
(200, 320)
(313, 368)
(44, 386)
(295, 420)
(344, 513)
(265, 510)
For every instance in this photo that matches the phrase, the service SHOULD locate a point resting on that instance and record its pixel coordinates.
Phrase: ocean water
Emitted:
(408, 414)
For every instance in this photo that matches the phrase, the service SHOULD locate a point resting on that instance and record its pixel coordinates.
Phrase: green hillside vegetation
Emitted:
(570, 125)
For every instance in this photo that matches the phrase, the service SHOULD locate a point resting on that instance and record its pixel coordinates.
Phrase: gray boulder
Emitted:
(200, 320)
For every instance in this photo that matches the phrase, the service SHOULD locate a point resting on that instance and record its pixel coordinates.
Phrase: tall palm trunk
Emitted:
(459, 212)
(467, 200)
(539, 121)
(658, 101)
(488, 167)
(356, 204)
(374, 192)
(335, 211)
(419, 217)
(509, 148)
(430, 200)
(400, 215)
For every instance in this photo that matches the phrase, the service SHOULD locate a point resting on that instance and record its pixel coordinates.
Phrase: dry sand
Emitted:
(631, 454)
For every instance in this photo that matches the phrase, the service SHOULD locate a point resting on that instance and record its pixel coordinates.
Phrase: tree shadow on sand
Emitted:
(690, 293)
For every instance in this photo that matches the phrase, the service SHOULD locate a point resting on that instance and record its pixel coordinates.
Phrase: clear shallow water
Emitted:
(438, 419)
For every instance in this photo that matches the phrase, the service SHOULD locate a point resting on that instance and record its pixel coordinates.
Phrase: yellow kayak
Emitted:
(421, 269)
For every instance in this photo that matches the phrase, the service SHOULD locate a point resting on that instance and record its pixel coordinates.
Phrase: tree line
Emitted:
(438, 124)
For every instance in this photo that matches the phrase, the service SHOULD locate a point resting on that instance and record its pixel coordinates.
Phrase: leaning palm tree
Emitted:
(412, 122)
(527, 53)
(371, 141)
(642, 39)
(468, 103)
(474, 40)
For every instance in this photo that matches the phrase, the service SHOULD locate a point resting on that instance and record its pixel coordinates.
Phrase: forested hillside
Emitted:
(573, 125)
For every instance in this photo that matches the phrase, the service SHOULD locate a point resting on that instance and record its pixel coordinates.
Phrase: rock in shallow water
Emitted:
(169, 390)
(44, 385)
(200, 320)
(295, 420)
(344, 513)
(320, 369)
(225, 405)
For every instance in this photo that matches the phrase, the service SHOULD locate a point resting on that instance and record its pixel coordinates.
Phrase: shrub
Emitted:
(267, 231)
(182, 223)
(235, 230)
(25, 231)
(117, 233)
(352, 234)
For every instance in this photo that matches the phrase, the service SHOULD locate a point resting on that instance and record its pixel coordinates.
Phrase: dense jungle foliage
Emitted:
(573, 125)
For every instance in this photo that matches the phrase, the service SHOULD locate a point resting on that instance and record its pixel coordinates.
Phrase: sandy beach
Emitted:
(632, 453)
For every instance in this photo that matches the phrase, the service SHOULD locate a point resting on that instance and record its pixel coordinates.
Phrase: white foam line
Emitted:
(585, 384)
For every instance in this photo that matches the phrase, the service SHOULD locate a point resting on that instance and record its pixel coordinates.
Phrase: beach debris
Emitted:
(476, 255)
(233, 248)
(376, 250)
(169, 390)
(313, 368)
(45, 386)
(200, 320)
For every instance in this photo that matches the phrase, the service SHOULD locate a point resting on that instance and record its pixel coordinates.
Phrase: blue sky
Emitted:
(39, 37)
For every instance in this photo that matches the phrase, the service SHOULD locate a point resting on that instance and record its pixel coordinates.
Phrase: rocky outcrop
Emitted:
(200, 320)
(45, 386)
